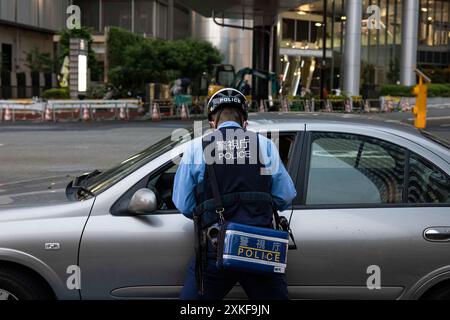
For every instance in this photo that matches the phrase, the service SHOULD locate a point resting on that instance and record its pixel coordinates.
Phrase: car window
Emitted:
(285, 144)
(108, 178)
(353, 169)
(162, 185)
(426, 182)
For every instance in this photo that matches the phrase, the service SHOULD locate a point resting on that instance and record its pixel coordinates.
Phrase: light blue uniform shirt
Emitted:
(191, 171)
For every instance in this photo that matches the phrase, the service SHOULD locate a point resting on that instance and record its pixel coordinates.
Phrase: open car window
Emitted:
(162, 183)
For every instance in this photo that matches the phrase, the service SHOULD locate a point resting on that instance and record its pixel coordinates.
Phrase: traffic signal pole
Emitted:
(420, 109)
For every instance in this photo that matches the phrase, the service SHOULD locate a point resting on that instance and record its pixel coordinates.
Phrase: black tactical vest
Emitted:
(246, 193)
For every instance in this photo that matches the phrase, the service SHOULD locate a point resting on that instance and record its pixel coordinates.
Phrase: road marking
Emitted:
(1, 144)
(37, 179)
(434, 118)
(445, 125)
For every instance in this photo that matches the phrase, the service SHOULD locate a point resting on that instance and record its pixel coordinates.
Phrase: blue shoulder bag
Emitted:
(247, 248)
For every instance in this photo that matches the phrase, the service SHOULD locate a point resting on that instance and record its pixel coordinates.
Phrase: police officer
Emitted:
(243, 161)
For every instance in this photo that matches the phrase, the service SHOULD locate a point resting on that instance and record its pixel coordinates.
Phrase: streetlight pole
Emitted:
(324, 49)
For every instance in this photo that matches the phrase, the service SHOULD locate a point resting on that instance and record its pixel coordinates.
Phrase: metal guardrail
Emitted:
(78, 109)
(383, 104)
(11, 110)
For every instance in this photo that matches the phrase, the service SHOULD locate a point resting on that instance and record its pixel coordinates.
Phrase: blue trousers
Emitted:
(217, 284)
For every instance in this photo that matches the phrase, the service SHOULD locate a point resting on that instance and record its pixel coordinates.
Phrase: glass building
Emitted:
(301, 44)
(145, 17)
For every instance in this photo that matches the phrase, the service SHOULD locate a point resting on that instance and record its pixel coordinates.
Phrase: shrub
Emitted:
(58, 93)
(438, 90)
(396, 90)
(434, 90)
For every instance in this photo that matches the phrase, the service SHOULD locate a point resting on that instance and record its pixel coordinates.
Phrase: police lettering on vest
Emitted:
(234, 153)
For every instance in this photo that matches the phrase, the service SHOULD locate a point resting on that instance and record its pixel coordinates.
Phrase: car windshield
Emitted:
(102, 181)
(436, 139)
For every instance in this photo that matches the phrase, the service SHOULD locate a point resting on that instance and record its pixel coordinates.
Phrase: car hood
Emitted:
(35, 192)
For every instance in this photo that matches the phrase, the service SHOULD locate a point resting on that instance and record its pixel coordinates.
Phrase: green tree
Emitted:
(38, 61)
(64, 48)
(140, 64)
(134, 60)
(118, 39)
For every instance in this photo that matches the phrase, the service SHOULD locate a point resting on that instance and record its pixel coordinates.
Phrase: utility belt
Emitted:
(238, 247)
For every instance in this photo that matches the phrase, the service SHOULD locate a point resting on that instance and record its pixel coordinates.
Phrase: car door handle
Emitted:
(437, 234)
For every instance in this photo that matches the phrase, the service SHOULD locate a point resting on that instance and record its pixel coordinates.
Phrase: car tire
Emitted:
(22, 285)
(439, 293)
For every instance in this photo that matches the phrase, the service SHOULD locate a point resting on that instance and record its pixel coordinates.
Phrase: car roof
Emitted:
(290, 121)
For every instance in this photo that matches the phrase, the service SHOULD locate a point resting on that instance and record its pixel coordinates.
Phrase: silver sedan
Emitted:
(371, 219)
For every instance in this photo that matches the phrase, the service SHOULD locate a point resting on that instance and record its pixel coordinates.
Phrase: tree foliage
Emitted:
(134, 60)
(64, 47)
(38, 61)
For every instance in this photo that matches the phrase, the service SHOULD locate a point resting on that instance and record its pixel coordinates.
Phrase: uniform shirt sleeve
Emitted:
(283, 189)
(188, 175)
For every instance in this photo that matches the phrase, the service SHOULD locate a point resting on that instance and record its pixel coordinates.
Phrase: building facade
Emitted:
(330, 44)
(380, 44)
(27, 25)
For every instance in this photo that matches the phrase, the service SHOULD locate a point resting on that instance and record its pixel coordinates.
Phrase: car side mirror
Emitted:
(143, 201)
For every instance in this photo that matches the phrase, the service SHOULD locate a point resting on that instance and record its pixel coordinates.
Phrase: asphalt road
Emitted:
(29, 151)
(36, 150)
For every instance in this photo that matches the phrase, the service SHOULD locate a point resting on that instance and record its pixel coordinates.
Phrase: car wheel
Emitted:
(439, 293)
(19, 285)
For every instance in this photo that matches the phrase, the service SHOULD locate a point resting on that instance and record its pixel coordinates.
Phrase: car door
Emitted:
(366, 199)
(125, 256)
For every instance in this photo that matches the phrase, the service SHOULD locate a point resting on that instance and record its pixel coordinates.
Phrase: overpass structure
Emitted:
(311, 46)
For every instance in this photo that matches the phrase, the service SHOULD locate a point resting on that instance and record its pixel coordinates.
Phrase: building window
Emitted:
(89, 13)
(143, 17)
(288, 30)
(6, 57)
(117, 13)
(181, 27)
(161, 22)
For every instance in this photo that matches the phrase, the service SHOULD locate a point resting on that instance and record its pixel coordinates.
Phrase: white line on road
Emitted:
(434, 118)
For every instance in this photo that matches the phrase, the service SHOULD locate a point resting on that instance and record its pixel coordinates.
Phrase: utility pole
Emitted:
(324, 49)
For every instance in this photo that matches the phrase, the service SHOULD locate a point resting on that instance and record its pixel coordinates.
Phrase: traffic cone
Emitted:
(261, 106)
(85, 114)
(285, 106)
(140, 109)
(8, 115)
(328, 106)
(122, 114)
(407, 105)
(184, 113)
(155, 113)
(367, 106)
(389, 106)
(348, 108)
(307, 107)
(48, 114)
